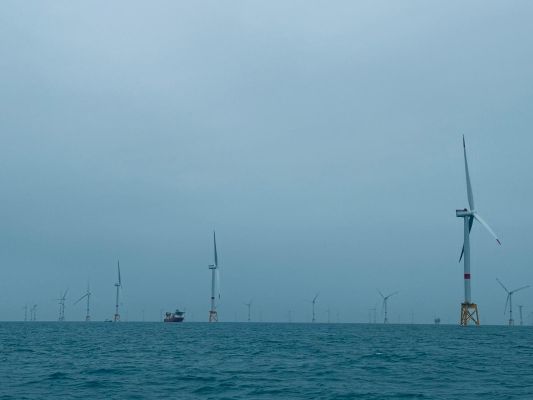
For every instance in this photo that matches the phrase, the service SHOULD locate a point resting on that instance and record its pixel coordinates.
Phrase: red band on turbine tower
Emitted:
(467, 276)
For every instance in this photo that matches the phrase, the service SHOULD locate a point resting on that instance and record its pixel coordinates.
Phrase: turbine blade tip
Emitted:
(498, 240)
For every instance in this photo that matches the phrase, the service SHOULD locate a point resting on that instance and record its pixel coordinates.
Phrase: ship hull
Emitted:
(175, 319)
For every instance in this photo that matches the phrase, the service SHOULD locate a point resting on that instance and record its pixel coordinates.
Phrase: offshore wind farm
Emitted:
(469, 311)
(263, 200)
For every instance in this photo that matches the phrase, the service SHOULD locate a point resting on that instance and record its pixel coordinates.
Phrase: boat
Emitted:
(177, 316)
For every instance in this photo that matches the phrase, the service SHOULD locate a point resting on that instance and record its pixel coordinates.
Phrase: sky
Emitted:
(321, 140)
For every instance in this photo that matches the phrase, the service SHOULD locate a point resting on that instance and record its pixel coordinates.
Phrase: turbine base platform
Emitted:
(469, 313)
(213, 316)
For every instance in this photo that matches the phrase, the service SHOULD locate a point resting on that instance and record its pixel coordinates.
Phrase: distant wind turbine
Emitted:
(509, 301)
(469, 310)
(87, 295)
(314, 303)
(520, 310)
(33, 313)
(249, 305)
(61, 300)
(384, 305)
(215, 282)
(118, 286)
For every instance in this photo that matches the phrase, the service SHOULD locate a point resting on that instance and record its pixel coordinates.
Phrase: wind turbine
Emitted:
(314, 303)
(33, 313)
(469, 310)
(249, 305)
(215, 283)
(510, 301)
(62, 305)
(88, 296)
(25, 312)
(384, 305)
(372, 315)
(118, 285)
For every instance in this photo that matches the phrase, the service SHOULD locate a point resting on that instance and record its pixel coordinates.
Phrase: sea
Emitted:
(129, 360)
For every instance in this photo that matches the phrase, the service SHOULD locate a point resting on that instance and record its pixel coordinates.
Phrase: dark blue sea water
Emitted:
(41, 360)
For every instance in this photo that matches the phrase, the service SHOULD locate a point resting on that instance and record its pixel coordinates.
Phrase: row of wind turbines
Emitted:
(87, 296)
(469, 310)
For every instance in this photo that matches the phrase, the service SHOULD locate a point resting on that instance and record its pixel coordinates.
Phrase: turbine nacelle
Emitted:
(464, 213)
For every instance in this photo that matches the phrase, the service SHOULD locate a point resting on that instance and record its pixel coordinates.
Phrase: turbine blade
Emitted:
(468, 183)
(506, 302)
(316, 297)
(119, 279)
(523, 287)
(215, 247)
(487, 227)
(392, 294)
(381, 294)
(81, 298)
(470, 223)
(501, 284)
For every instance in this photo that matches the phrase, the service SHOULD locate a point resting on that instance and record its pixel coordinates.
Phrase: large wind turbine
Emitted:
(61, 300)
(510, 301)
(469, 309)
(213, 315)
(384, 305)
(88, 296)
(118, 285)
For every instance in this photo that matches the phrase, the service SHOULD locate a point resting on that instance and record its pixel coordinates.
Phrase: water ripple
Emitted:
(263, 361)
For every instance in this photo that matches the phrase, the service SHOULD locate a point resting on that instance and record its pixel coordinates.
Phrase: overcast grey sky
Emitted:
(321, 139)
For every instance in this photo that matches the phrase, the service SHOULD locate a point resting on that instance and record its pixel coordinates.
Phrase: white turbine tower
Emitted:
(88, 296)
(520, 309)
(384, 305)
(469, 310)
(215, 283)
(509, 302)
(118, 285)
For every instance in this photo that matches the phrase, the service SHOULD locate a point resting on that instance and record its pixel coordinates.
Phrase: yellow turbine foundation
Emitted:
(213, 316)
(469, 313)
